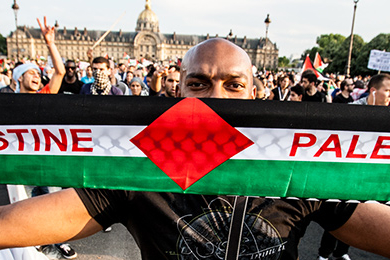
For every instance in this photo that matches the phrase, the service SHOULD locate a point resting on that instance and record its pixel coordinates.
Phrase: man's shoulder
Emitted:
(86, 89)
(6, 89)
(362, 101)
(116, 91)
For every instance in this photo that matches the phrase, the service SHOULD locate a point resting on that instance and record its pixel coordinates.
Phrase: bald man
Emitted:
(184, 226)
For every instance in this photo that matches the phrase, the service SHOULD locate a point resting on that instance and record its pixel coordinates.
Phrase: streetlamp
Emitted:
(15, 7)
(351, 41)
(267, 21)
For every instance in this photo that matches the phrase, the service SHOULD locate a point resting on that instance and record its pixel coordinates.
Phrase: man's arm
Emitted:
(155, 84)
(59, 68)
(90, 56)
(45, 220)
(368, 229)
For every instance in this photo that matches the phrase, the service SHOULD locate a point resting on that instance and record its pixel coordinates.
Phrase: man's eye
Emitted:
(236, 86)
(196, 85)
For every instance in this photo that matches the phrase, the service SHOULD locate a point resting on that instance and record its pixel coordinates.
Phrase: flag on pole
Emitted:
(318, 64)
(307, 65)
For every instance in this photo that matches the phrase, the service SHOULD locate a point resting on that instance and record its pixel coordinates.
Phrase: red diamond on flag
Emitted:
(189, 140)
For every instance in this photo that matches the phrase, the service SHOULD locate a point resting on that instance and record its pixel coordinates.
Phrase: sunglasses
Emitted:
(72, 68)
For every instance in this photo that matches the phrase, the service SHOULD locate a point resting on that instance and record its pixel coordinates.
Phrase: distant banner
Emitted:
(379, 60)
(329, 151)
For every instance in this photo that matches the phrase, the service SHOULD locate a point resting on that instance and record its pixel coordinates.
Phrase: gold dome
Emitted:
(147, 20)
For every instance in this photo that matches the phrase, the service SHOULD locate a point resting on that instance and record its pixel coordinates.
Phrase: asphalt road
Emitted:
(120, 245)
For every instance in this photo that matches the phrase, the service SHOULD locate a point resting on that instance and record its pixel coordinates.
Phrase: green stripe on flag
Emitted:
(245, 177)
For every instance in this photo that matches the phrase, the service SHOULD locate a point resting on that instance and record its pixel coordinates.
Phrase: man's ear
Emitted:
(177, 90)
(254, 92)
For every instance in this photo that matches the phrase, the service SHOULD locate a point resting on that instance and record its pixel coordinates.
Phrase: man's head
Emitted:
(131, 68)
(70, 68)
(101, 70)
(260, 89)
(89, 71)
(308, 79)
(379, 87)
(122, 67)
(27, 78)
(216, 68)
(138, 73)
(296, 93)
(347, 85)
(172, 80)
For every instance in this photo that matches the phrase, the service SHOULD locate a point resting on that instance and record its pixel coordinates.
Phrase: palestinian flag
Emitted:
(200, 146)
(307, 65)
(318, 64)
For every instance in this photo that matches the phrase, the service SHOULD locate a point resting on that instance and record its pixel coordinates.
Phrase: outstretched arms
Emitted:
(46, 219)
(59, 68)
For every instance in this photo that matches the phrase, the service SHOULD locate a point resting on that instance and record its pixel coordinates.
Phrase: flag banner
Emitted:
(307, 65)
(199, 146)
(318, 64)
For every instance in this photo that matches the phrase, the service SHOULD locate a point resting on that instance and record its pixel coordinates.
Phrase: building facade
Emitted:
(146, 42)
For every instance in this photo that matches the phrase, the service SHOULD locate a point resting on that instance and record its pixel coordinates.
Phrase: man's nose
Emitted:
(217, 90)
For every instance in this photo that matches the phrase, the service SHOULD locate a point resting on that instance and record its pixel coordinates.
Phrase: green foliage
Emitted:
(340, 58)
(334, 49)
(283, 61)
(380, 42)
(329, 44)
(312, 53)
(3, 45)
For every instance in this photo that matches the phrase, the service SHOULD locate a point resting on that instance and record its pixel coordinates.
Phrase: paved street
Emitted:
(119, 244)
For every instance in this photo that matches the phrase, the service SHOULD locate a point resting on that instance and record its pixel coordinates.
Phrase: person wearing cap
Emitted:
(28, 76)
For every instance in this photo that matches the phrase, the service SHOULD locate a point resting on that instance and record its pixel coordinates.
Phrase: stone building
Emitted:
(146, 42)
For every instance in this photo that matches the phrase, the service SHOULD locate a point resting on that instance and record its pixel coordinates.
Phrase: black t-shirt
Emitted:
(70, 88)
(317, 97)
(185, 226)
(341, 99)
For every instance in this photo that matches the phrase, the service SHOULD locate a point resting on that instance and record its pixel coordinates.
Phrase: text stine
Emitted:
(44, 138)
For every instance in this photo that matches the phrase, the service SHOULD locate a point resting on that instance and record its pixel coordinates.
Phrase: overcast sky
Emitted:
(294, 27)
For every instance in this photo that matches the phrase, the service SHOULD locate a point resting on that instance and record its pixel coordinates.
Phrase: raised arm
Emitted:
(44, 220)
(59, 68)
(155, 84)
(368, 229)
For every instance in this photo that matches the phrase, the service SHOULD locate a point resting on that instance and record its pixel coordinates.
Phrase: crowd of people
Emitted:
(198, 76)
(157, 80)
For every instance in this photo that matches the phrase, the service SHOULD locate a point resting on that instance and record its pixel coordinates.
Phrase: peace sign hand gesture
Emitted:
(47, 31)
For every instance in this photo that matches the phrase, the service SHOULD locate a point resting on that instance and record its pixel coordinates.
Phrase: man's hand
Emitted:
(90, 55)
(47, 31)
(59, 68)
(161, 71)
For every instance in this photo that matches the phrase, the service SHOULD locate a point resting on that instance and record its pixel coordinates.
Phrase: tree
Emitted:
(329, 44)
(3, 45)
(312, 53)
(283, 61)
(380, 42)
(339, 60)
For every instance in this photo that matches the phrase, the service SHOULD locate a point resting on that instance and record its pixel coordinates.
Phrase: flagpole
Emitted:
(351, 40)
(108, 31)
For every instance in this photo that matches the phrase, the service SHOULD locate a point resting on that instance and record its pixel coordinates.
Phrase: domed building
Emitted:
(145, 43)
